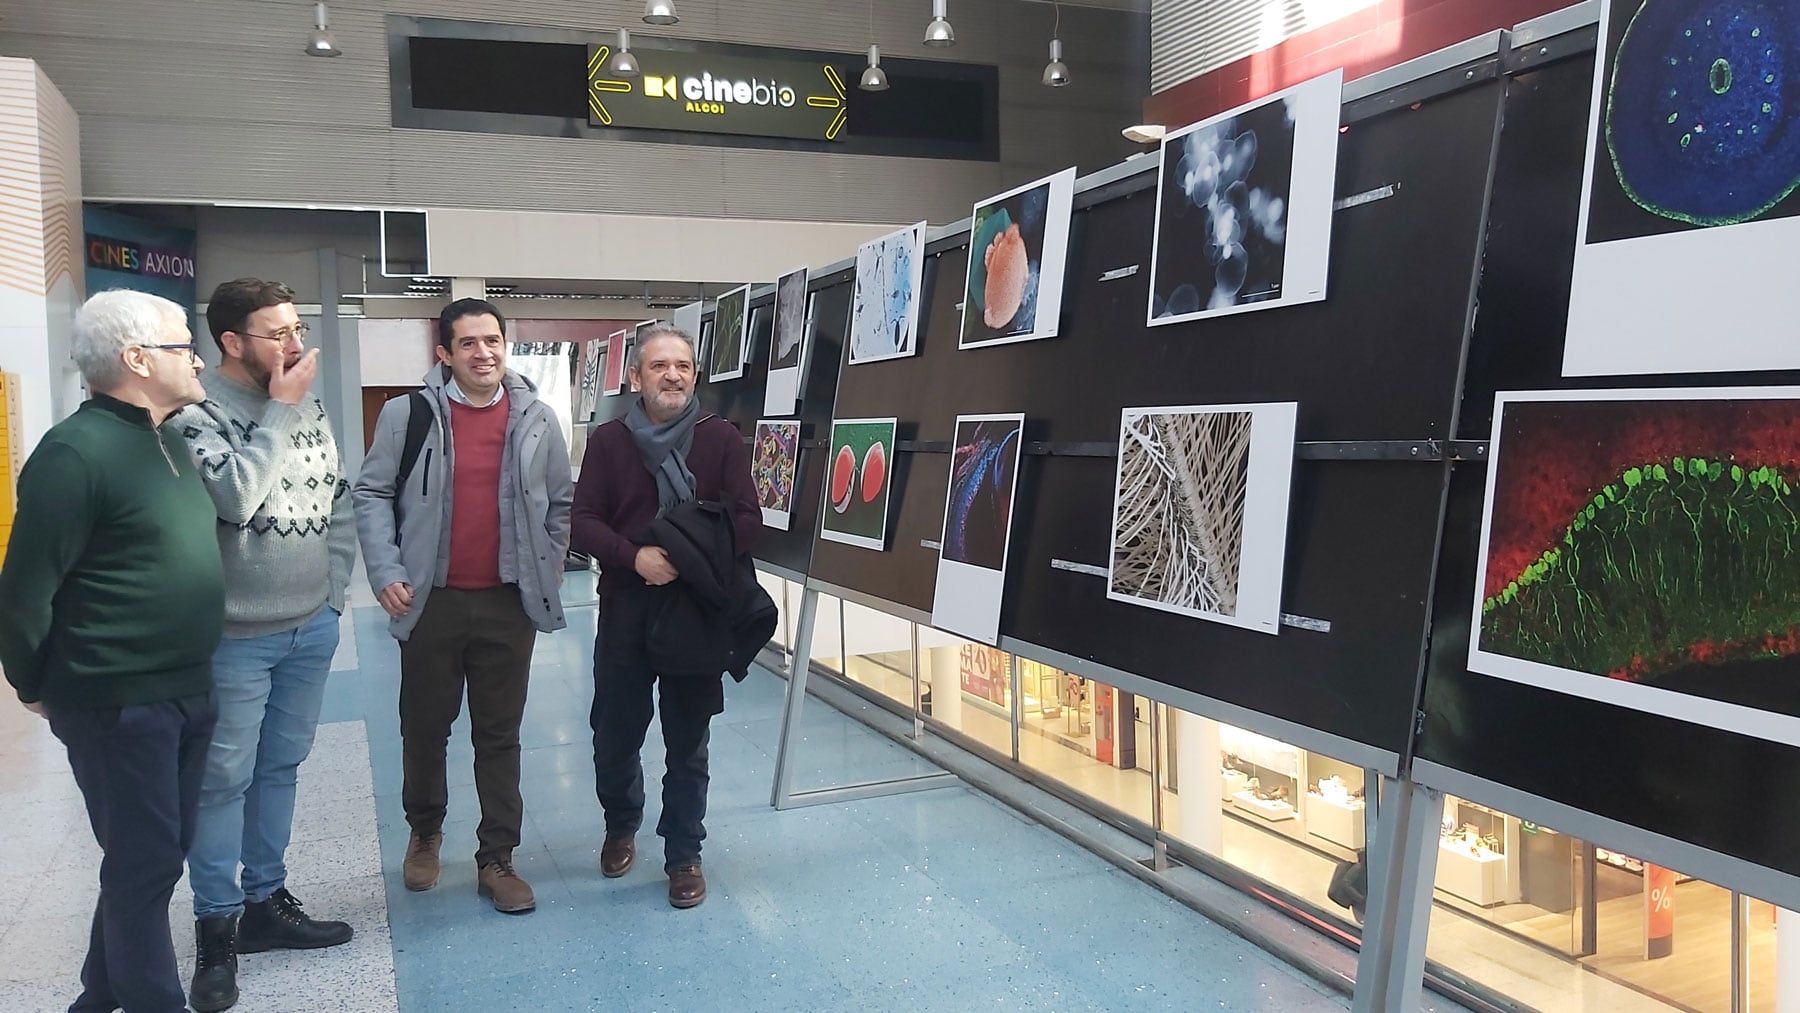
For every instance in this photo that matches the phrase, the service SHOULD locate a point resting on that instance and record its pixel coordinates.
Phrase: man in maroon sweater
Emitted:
(664, 452)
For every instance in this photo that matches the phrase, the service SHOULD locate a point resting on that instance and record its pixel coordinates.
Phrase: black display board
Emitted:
(1708, 787)
(1378, 360)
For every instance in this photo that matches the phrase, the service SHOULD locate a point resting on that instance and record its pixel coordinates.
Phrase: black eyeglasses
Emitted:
(284, 335)
(188, 349)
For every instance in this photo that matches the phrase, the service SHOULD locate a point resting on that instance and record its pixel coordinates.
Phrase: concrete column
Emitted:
(945, 667)
(468, 288)
(1199, 818)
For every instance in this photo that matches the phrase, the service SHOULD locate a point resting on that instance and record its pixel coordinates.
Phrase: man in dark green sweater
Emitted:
(114, 602)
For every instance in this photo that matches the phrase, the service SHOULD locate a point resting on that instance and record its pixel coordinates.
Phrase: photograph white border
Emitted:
(966, 600)
(1263, 556)
(779, 519)
(917, 231)
(1058, 215)
(781, 395)
(1312, 189)
(1732, 717)
(887, 489)
(1616, 329)
(743, 338)
(615, 347)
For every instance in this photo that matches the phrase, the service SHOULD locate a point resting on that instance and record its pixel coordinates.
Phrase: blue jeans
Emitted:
(269, 691)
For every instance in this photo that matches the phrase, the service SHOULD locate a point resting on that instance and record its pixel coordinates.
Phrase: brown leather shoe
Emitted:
(617, 855)
(687, 886)
(420, 869)
(511, 894)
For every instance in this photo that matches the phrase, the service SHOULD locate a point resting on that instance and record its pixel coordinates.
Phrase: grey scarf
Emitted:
(664, 448)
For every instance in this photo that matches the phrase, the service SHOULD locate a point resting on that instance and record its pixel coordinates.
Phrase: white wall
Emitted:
(41, 269)
(394, 353)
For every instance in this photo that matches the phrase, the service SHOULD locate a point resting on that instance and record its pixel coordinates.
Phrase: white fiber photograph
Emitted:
(884, 315)
(1200, 508)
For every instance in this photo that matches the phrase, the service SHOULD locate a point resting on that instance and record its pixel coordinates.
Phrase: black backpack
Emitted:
(418, 424)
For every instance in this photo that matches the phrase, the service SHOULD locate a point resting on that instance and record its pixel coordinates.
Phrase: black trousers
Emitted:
(482, 640)
(621, 716)
(139, 770)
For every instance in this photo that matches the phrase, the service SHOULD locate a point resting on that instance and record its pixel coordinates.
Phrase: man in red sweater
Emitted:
(664, 452)
(465, 553)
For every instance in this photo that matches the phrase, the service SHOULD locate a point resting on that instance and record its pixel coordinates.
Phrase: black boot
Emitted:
(279, 924)
(215, 965)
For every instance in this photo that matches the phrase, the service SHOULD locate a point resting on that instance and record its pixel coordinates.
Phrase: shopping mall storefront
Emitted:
(1523, 913)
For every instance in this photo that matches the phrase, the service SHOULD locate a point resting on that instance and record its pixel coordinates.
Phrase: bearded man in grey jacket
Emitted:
(465, 554)
(287, 536)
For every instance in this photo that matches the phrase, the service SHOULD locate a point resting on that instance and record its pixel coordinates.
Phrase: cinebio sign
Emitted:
(719, 93)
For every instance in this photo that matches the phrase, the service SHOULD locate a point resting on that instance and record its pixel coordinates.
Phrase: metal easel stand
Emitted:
(1390, 971)
(783, 796)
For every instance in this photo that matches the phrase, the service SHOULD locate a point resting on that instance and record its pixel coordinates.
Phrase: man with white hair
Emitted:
(114, 599)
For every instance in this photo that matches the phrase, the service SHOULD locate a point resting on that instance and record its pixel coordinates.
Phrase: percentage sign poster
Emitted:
(1659, 911)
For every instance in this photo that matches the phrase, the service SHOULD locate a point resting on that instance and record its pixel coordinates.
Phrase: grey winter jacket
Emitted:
(536, 493)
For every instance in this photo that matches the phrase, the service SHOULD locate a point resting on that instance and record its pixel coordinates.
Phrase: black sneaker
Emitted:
(279, 924)
(215, 965)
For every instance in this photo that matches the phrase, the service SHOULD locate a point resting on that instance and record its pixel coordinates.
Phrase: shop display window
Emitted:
(967, 687)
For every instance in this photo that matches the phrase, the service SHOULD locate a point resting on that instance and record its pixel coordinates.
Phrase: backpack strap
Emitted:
(418, 423)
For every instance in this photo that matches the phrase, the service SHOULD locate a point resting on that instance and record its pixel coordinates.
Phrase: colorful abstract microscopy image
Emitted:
(884, 317)
(1018, 248)
(858, 478)
(1649, 538)
(983, 469)
(1701, 120)
(774, 455)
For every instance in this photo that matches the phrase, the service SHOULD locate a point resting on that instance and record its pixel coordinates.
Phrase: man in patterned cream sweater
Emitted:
(287, 535)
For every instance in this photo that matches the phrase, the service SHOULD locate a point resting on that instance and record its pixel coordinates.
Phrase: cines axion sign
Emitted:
(125, 256)
(720, 93)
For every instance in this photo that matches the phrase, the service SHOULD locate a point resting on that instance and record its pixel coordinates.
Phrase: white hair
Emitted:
(112, 321)
(660, 331)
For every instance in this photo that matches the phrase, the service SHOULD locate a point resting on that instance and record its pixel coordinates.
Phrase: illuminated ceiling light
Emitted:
(1144, 133)
(939, 32)
(873, 77)
(322, 42)
(623, 64)
(660, 12)
(1056, 72)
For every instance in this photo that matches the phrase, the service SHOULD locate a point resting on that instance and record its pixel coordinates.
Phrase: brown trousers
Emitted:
(481, 639)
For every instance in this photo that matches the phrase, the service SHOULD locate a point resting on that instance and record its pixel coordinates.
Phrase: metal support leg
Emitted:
(783, 795)
(1159, 849)
(1390, 971)
(918, 720)
(799, 664)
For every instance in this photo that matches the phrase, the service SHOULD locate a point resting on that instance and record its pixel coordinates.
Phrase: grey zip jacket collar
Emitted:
(536, 493)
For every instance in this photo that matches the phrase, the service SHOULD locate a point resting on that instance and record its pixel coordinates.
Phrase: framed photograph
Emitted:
(1689, 220)
(1018, 249)
(858, 478)
(978, 511)
(774, 463)
(730, 331)
(782, 394)
(1642, 548)
(1243, 206)
(884, 315)
(1200, 511)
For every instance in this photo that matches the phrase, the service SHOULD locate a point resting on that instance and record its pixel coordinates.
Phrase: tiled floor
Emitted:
(938, 900)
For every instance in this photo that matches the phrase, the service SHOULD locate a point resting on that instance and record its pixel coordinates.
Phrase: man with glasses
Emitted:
(113, 596)
(287, 534)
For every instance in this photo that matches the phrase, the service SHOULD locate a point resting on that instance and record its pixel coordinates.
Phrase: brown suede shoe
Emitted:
(420, 869)
(617, 855)
(687, 886)
(511, 894)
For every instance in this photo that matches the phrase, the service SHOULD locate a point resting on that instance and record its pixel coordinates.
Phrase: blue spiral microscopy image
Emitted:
(1699, 116)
